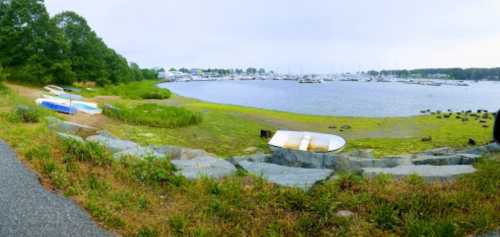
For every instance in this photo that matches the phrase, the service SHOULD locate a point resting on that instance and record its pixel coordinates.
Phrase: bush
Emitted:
(154, 115)
(152, 170)
(26, 114)
(134, 90)
(85, 151)
(157, 95)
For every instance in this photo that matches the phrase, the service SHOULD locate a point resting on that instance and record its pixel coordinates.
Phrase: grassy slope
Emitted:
(248, 206)
(228, 130)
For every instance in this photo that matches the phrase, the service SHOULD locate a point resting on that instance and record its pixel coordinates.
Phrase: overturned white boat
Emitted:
(54, 90)
(307, 141)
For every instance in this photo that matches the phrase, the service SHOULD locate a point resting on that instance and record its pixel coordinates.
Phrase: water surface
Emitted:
(369, 99)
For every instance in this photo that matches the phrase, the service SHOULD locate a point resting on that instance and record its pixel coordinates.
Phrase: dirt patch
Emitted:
(28, 92)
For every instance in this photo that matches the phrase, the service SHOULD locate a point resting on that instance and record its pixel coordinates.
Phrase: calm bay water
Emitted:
(368, 99)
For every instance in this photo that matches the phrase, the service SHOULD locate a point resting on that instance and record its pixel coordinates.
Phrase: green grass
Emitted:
(133, 90)
(228, 130)
(145, 198)
(153, 115)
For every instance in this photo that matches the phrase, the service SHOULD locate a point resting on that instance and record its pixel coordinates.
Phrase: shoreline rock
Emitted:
(286, 176)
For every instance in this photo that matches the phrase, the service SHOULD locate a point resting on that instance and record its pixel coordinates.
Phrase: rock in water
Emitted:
(205, 166)
(428, 172)
(286, 176)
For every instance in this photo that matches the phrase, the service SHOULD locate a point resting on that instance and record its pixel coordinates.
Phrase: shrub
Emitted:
(154, 115)
(152, 170)
(85, 151)
(26, 114)
(133, 90)
(147, 232)
(178, 225)
(156, 94)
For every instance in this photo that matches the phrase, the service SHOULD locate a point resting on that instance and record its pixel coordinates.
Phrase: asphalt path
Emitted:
(27, 209)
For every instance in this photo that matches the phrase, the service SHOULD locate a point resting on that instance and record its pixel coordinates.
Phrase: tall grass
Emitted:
(153, 115)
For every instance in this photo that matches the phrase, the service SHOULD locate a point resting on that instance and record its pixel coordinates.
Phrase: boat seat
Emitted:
(304, 143)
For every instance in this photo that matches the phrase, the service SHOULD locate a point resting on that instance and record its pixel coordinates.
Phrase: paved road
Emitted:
(27, 209)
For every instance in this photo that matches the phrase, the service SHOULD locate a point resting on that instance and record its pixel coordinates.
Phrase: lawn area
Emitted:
(144, 198)
(228, 130)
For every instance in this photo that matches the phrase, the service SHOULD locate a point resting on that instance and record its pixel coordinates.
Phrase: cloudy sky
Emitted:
(297, 35)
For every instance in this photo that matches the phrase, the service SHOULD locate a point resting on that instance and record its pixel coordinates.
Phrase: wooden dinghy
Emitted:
(307, 141)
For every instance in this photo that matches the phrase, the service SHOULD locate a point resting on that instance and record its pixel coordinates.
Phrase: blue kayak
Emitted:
(58, 107)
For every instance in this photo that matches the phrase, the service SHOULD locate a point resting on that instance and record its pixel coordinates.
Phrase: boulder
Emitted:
(138, 152)
(70, 127)
(303, 159)
(439, 151)
(453, 159)
(428, 172)
(493, 147)
(205, 166)
(355, 164)
(366, 154)
(480, 150)
(252, 158)
(286, 176)
(180, 153)
(114, 144)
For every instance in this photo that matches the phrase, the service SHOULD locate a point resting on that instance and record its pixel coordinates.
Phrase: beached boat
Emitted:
(82, 106)
(307, 141)
(55, 106)
(55, 90)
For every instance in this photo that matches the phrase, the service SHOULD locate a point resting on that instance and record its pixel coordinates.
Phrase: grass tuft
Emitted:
(154, 115)
(85, 151)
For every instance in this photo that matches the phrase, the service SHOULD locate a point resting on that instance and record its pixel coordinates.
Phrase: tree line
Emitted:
(451, 73)
(38, 49)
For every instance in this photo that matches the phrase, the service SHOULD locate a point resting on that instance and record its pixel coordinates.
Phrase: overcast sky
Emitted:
(297, 35)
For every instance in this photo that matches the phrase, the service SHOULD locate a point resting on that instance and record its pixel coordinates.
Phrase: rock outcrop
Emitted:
(428, 172)
(286, 176)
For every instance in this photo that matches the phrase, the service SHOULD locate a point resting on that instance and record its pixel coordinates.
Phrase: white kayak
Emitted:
(307, 141)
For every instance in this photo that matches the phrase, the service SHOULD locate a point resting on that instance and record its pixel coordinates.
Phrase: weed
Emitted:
(178, 224)
(152, 170)
(147, 232)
